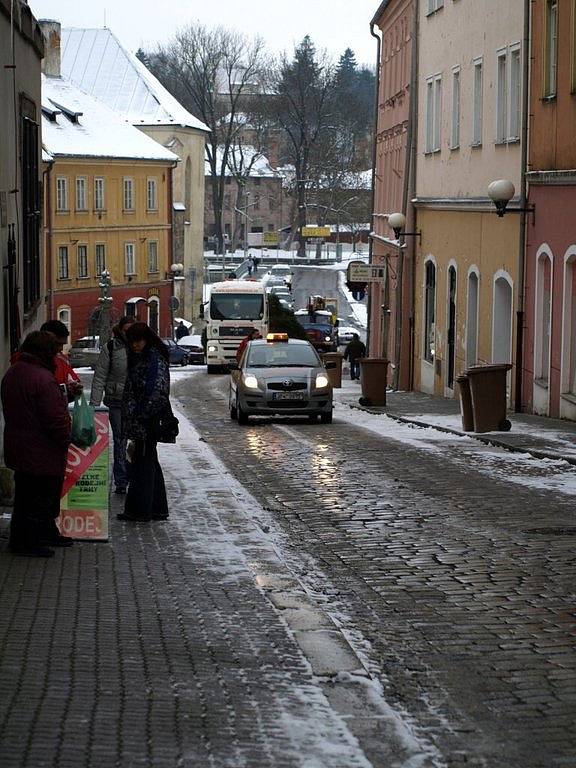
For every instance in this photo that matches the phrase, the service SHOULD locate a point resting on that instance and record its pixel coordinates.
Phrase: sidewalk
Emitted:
(539, 436)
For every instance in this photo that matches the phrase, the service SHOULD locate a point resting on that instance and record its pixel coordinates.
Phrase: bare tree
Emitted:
(304, 109)
(211, 71)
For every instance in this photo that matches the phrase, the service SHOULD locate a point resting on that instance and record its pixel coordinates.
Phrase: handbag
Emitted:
(164, 426)
(83, 426)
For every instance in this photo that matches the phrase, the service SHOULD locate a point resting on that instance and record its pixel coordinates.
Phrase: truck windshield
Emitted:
(236, 306)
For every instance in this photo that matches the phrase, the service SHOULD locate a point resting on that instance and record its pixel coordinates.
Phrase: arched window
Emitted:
(153, 314)
(543, 317)
(502, 319)
(569, 324)
(451, 325)
(472, 319)
(64, 314)
(429, 311)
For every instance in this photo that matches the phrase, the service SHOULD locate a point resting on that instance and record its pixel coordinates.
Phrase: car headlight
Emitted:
(327, 338)
(212, 348)
(250, 381)
(321, 381)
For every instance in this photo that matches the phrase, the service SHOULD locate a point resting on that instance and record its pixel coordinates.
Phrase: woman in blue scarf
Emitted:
(145, 399)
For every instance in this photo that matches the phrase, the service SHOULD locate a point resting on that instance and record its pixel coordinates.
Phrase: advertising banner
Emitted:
(84, 502)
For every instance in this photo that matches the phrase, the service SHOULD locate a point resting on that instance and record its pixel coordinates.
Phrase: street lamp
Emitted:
(105, 301)
(176, 272)
(397, 222)
(501, 192)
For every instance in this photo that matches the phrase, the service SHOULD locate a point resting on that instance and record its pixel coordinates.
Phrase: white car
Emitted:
(346, 332)
(278, 274)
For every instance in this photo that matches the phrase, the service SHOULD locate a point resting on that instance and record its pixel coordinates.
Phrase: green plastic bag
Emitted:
(83, 427)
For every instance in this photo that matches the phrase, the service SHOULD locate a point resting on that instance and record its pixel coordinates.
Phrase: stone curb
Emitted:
(537, 454)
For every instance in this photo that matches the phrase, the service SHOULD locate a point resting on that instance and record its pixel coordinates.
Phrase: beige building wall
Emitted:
(188, 191)
(467, 137)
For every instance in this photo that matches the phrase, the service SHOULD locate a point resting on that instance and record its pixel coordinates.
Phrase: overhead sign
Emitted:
(316, 231)
(84, 497)
(270, 238)
(359, 272)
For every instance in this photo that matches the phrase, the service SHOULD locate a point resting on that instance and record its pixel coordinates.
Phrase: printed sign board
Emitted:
(270, 238)
(316, 231)
(358, 272)
(84, 500)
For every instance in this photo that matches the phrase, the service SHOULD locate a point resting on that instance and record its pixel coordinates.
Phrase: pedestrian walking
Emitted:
(36, 439)
(254, 334)
(108, 384)
(181, 330)
(353, 352)
(145, 399)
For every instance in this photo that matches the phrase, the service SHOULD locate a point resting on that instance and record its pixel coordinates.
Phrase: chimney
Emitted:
(52, 34)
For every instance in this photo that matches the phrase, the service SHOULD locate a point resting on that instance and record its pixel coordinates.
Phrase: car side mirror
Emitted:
(330, 365)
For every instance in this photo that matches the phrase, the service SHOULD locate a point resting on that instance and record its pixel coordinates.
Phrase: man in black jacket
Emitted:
(353, 352)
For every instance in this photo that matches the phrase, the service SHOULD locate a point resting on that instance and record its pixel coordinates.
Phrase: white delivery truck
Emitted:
(235, 307)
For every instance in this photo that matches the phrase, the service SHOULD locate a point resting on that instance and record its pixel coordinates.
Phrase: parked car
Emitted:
(84, 352)
(193, 346)
(278, 375)
(178, 356)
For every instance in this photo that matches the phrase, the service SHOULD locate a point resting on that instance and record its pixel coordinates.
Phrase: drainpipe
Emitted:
(48, 239)
(370, 239)
(413, 165)
(523, 201)
(407, 195)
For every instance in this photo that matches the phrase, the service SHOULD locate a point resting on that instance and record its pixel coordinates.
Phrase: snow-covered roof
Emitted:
(75, 124)
(241, 157)
(96, 61)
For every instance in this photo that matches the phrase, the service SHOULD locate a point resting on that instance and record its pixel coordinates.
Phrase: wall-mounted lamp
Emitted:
(501, 192)
(397, 221)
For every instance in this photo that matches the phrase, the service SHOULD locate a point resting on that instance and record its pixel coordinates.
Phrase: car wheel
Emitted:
(233, 412)
(241, 415)
(326, 418)
(184, 361)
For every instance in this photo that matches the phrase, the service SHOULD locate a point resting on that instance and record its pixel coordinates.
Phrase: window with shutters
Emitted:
(63, 272)
(81, 193)
(99, 258)
(82, 261)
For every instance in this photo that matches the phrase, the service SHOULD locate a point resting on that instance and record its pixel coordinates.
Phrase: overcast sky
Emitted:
(332, 24)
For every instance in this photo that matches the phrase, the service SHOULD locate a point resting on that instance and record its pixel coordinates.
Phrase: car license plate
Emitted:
(289, 396)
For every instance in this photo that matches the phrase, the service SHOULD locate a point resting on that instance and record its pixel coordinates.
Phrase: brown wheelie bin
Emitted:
(465, 403)
(488, 390)
(334, 374)
(373, 379)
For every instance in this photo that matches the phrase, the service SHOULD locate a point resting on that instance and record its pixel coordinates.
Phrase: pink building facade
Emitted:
(390, 302)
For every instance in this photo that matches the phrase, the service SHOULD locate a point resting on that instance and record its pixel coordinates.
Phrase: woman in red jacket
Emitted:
(36, 438)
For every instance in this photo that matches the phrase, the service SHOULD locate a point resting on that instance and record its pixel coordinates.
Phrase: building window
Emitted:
(99, 199)
(455, 138)
(515, 93)
(551, 48)
(152, 196)
(82, 261)
(152, 256)
(100, 259)
(543, 318)
(61, 193)
(472, 320)
(502, 97)
(64, 314)
(63, 272)
(30, 190)
(433, 113)
(129, 258)
(478, 103)
(153, 314)
(81, 193)
(128, 194)
(429, 312)
(434, 5)
(569, 325)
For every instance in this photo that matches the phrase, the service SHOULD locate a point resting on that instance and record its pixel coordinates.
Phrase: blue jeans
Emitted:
(119, 469)
(354, 369)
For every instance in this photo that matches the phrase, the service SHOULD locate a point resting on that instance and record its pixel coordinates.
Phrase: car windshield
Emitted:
(236, 306)
(282, 355)
(84, 344)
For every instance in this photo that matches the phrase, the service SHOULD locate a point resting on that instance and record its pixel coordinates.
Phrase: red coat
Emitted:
(37, 424)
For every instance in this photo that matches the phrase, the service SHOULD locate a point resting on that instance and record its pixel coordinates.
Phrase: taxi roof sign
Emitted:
(277, 337)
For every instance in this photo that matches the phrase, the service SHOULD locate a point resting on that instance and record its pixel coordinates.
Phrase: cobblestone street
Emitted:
(321, 596)
(459, 583)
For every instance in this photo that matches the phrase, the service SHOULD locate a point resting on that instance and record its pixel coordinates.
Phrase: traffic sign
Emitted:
(174, 303)
(359, 272)
(316, 231)
(270, 238)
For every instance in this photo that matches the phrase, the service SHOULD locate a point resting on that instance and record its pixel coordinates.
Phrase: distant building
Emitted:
(256, 205)
(23, 286)
(108, 205)
(96, 61)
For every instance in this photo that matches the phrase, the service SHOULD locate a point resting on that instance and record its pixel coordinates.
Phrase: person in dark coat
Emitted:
(146, 396)
(353, 352)
(108, 383)
(36, 439)
(181, 331)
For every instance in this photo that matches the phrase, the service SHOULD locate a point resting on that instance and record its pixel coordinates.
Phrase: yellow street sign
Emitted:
(270, 238)
(316, 231)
